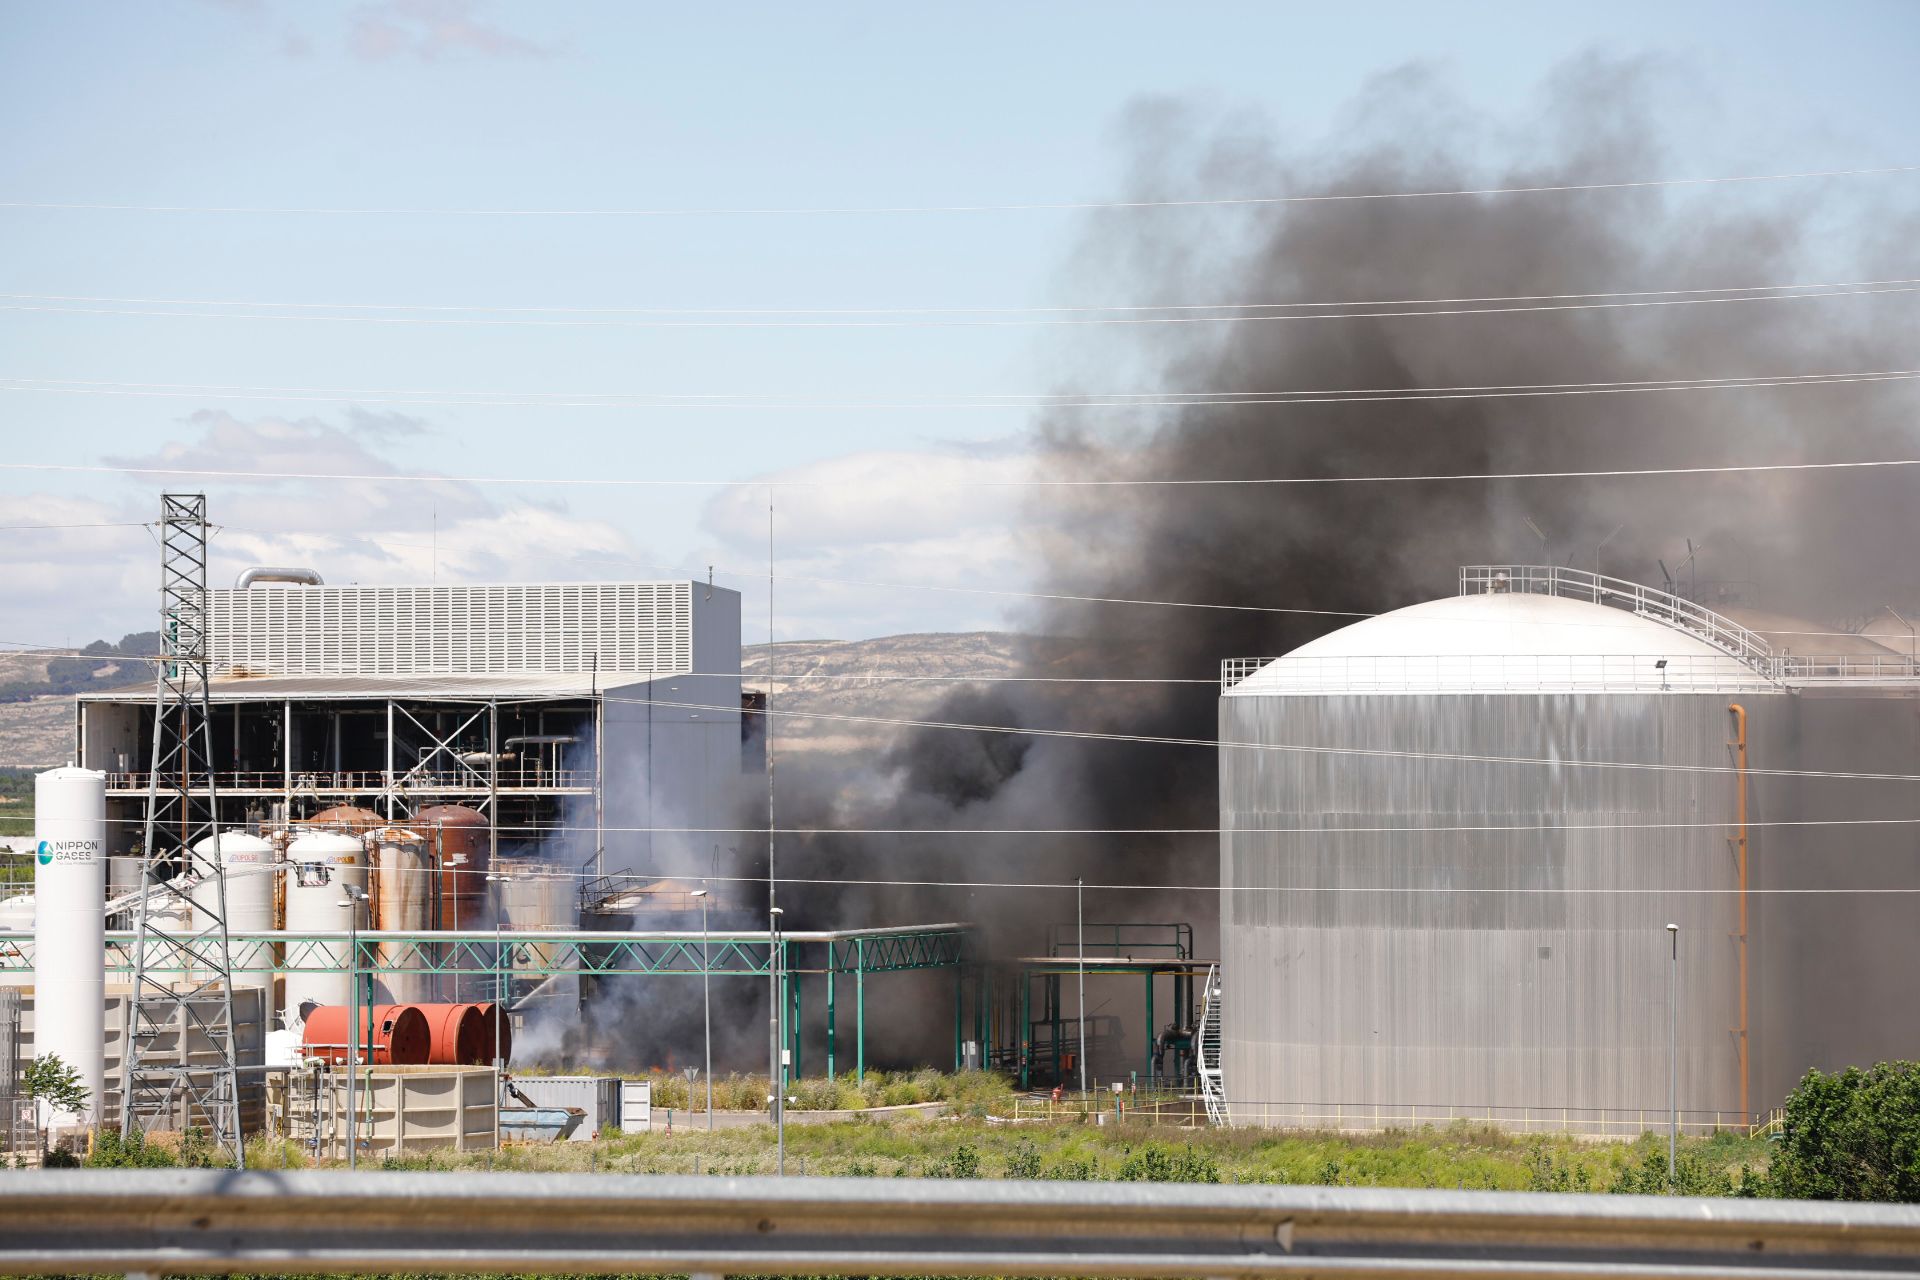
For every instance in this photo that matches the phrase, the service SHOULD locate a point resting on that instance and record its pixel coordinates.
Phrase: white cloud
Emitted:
(431, 29)
(83, 584)
(916, 540)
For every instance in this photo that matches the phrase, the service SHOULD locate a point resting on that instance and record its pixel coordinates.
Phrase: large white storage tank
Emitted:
(249, 863)
(321, 864)
(1433, 906)
(69, 946)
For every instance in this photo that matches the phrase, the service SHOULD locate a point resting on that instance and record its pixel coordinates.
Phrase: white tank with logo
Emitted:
(69, 950)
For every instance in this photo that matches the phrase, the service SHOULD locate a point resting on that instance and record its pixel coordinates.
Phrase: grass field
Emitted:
(1458, 1157)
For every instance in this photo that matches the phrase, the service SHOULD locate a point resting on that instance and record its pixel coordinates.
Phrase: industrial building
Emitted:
(496, 785)
(552, 728)
(1453, 838)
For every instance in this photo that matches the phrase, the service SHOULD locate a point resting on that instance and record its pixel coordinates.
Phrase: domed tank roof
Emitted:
(1504, 642)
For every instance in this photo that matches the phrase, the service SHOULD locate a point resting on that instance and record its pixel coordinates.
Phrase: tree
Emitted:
(48, 1079)
(1854, 1135)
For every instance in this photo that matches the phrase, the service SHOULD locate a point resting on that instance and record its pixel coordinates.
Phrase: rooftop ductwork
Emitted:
(272, 573)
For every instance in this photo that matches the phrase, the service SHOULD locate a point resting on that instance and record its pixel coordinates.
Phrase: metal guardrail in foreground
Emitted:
(158, 1221)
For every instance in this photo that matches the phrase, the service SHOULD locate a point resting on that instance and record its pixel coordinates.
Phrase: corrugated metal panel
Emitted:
(458, 630)
(598, 1096)
(1477, 971)
(345, 688)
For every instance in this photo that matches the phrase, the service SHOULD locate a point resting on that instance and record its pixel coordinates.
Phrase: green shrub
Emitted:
(962, 1162)
(1072, 1169)
(815, 1094)
(1024, 1162)
(1544, 1173)
(1854, 1135)
(1156, 1163)
(1693, 1176)
(133, 1151)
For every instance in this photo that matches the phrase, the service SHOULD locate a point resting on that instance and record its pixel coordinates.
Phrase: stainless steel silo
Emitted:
(1445, 884)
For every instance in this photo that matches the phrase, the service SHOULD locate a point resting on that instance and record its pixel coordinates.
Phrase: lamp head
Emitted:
(698, 893)
(1673, 928)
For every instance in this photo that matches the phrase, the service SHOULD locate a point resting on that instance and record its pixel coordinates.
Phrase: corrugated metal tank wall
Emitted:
(1833, 976)
(1508, 974)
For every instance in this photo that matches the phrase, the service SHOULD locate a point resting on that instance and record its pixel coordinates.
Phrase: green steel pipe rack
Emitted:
(520, 953)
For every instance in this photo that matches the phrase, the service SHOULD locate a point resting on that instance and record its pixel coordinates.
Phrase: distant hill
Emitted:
(824, 676)
(36, 695)
(100, 666)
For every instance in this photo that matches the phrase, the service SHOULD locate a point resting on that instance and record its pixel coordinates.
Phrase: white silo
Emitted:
(321, 864)
(69, 944)
(249, 863)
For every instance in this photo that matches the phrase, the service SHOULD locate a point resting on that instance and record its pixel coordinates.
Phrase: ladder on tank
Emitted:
(1207, 1051)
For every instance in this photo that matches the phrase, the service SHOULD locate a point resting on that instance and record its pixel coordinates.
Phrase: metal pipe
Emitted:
(1740, 849)
(273, 573)
(1080, 925)
(706, 998)
(1673, 1058)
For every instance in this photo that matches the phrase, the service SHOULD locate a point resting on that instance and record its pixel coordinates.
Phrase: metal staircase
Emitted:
(1207, 1051)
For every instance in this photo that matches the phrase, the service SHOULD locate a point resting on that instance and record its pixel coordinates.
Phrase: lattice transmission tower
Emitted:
(179, 1067)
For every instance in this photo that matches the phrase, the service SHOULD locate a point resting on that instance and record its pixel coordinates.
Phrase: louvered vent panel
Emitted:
(482, 630)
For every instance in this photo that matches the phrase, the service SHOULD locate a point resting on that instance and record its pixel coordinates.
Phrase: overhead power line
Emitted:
(561, 828)
(1011, 207)
(1017, 401)
(1562, 891)
(930, 480)
(1168, 740)
(949, 322)
(1072, 309)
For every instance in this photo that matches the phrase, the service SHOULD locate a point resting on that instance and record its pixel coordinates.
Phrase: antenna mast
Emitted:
(179, 1067)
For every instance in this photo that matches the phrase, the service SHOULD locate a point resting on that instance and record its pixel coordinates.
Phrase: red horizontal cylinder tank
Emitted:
(461, 842)
(496, 1033)
(456, 1030)
(396, 1035)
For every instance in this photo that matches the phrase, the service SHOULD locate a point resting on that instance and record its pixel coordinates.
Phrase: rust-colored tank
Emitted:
(460, 839)
(495, 1020)
(349, 818)
(395, 1035)
(456, 1030)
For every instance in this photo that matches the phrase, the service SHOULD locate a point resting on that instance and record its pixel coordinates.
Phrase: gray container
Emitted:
(598, 1096)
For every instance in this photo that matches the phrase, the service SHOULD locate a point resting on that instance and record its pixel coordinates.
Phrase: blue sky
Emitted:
(445, 105)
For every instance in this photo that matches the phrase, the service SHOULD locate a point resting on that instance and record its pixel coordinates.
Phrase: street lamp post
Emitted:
(499, 1002)
(1080, 927)
(1673, 1057)
(777, 1082)
(706, 998)
(355, 897)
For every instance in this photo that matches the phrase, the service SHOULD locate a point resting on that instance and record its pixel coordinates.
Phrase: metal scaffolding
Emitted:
(179, 1067)
(787, 959)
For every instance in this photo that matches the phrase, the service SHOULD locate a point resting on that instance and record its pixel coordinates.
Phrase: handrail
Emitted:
(1619, 593)
(1207, 1046)
(301, 1222)
(1746, 646)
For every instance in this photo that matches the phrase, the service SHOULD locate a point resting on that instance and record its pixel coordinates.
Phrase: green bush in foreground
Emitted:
(1854, 1135)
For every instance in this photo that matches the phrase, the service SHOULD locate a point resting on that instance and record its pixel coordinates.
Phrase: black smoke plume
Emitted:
(1823, 544)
